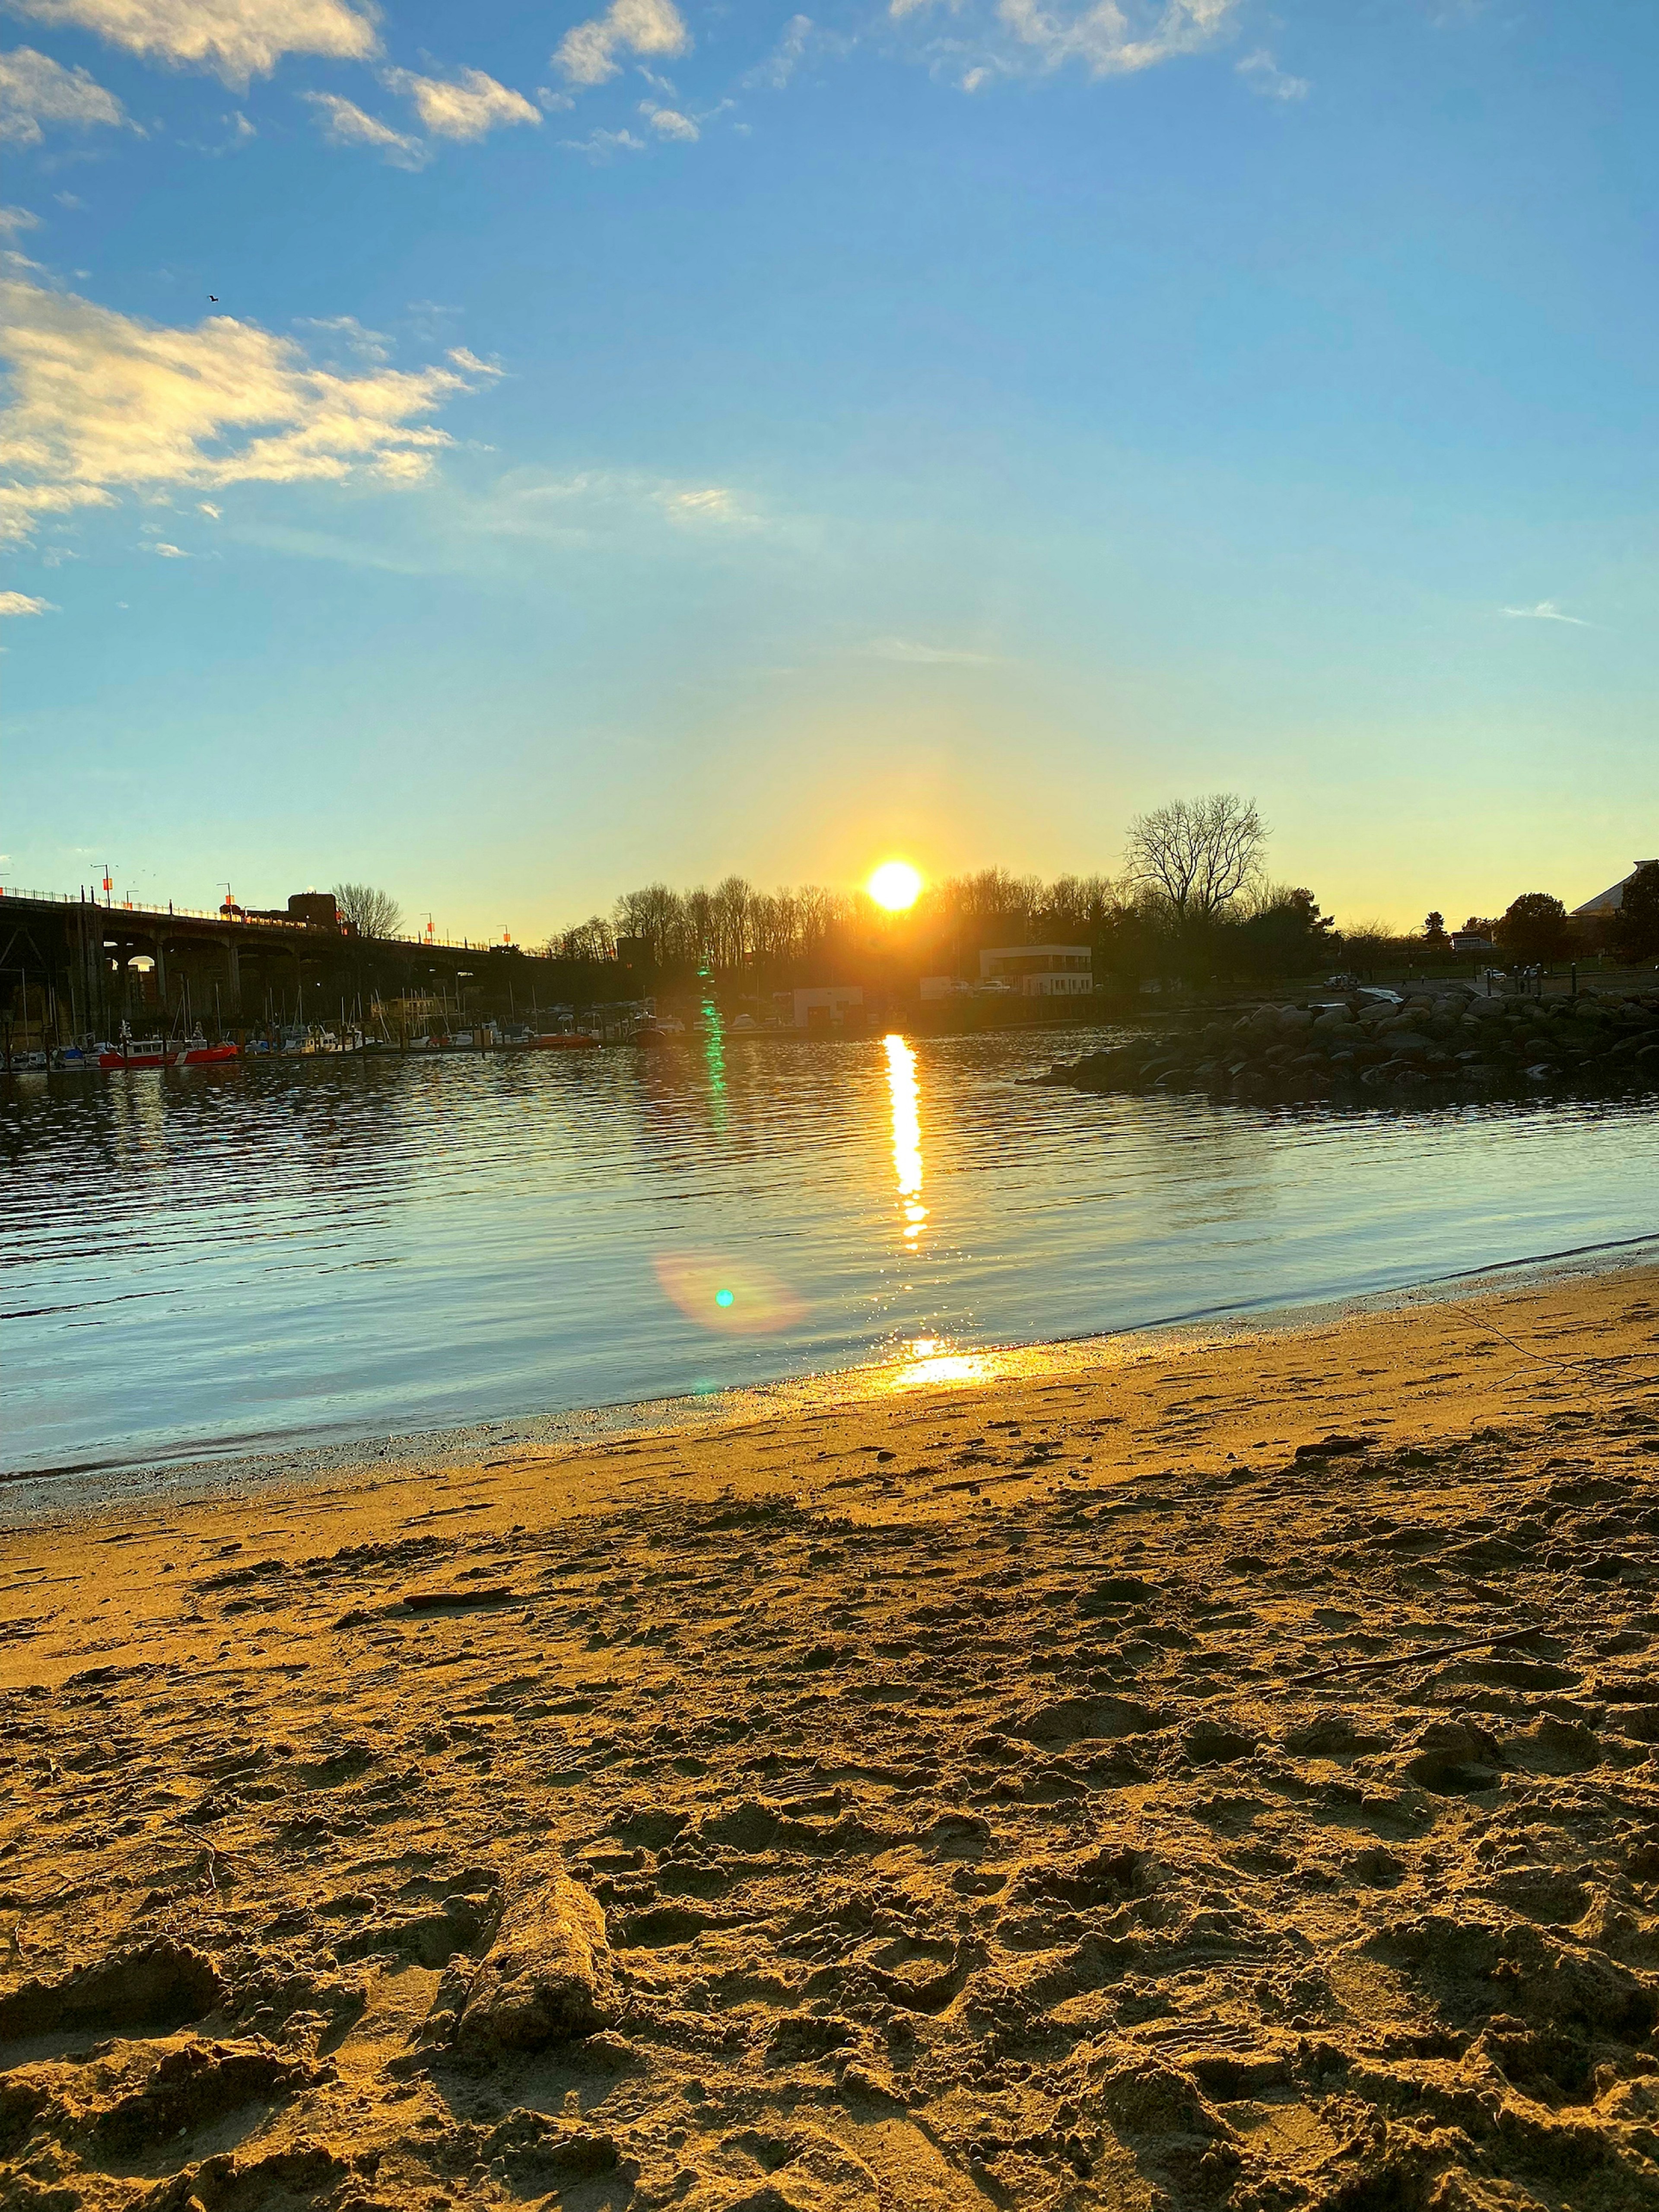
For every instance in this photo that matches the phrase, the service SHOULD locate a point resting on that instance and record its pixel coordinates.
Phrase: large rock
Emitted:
(549, 1975)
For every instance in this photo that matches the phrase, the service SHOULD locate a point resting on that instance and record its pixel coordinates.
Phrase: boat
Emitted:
(29, 1063)
(70, 1060)
(201, 1053)
(128, 1051)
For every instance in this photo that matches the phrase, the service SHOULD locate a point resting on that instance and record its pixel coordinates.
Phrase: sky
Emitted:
(511, 455)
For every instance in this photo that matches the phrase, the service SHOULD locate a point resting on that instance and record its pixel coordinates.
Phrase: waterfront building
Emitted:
(1040, 971)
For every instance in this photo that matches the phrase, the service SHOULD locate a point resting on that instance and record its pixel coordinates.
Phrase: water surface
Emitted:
(218, 1258)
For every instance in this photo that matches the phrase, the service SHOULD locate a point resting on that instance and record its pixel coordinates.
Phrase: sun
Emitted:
(896, 885)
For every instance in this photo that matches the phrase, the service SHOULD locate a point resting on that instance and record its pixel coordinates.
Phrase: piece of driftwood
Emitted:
(1416, 1658)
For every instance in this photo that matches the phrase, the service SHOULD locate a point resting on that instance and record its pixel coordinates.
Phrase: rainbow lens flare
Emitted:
(725, 1291)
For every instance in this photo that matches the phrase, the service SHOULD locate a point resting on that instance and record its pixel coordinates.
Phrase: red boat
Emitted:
(156, 1052)
(138, 1052)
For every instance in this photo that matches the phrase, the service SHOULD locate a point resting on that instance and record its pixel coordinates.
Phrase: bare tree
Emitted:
(371, 913)
(1197, 853)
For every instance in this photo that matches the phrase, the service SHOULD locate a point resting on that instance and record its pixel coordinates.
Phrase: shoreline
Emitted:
(1226, 1777)
(27, 1494)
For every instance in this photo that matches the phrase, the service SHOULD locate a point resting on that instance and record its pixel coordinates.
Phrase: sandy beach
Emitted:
(1223, 1776)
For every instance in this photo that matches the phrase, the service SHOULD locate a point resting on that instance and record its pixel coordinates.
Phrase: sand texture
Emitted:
(1055, 1795)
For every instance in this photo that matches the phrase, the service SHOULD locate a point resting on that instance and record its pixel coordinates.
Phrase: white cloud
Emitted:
(102, 402)
(1546, 611)
(345, 124)
(600, 501)
(975, 78)
(14, 219)
(345, 336)
(587, 52)
(926, 656)
(1263, 74)
(169, 552)
(21, 603)
(784, 58)
(467, 106)
(601, 145)
(237, 38)
(1105, 38)
(669, 123)
(34, 89)
(206, 507)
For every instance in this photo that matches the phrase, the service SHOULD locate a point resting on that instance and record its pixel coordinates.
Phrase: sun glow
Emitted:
(896, 885)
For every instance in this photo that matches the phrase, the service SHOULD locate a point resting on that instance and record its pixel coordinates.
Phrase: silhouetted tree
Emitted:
(1534, 927)
(1197, 853)
(1636, 932)
(1434, 928)
(370, 912)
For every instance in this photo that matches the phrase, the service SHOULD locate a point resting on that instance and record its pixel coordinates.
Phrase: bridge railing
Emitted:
(247, 920)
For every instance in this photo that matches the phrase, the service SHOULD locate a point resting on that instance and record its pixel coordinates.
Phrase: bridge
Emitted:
(69, 965)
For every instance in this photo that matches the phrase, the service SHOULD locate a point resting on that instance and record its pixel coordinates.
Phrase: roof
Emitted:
(1610, 901)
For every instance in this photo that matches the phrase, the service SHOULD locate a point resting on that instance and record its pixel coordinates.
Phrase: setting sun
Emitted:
(895, 884)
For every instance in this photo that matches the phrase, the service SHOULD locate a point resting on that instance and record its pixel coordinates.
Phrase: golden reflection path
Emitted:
(906, 1138)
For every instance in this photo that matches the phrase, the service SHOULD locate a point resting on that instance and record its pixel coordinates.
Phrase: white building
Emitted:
(1040, 971)
(819, 1006)
(1609, 901)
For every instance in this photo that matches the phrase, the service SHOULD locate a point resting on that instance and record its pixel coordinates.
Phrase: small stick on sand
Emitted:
(1415, 1658)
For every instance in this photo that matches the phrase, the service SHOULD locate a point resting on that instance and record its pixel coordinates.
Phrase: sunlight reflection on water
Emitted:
(342, 1248)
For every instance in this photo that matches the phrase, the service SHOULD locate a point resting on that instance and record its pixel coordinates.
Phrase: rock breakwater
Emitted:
(1448, 1042)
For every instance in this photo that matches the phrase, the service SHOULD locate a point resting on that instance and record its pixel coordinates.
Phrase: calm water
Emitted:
(221, 1258)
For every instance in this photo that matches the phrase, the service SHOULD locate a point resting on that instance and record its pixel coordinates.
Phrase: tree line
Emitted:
(1192, 900)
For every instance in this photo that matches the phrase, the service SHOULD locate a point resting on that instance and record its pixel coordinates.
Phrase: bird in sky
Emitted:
(214, 297)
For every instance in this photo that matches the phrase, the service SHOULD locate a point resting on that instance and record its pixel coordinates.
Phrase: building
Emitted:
(1470, 940)
(819, 1006)
(1040, 971)
(1609, 901)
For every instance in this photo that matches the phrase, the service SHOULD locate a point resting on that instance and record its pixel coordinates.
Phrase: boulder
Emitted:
(549, 1975)
(1334, 1018)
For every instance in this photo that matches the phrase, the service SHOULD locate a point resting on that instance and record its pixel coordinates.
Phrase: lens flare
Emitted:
(896, 885)
(724, 1291)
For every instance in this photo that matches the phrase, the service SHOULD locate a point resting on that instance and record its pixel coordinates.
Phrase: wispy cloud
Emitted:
(344, 123)
(22, 603)
(587, 52)
(602, 502)
(784, 58)
(345, 338)
(236, 39)
(14, 219)
(103, 403)
(669, 123)
(1263, 75)
(1546, 611)
(167, 551)
(601, 145)
(35, 90)
(926, 656)
(1103, 37)
(468, 104)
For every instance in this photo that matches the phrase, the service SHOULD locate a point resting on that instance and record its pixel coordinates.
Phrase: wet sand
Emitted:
(1058, 1792)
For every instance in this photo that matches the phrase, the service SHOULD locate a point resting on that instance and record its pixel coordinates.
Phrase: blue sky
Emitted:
(673, 440)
